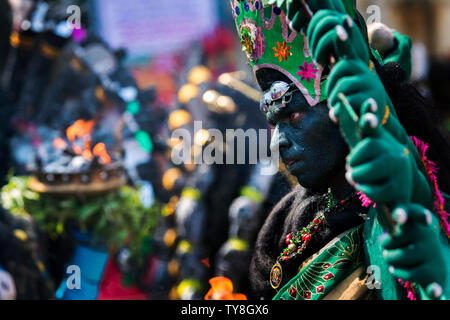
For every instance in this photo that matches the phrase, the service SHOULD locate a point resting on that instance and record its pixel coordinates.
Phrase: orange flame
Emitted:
(59, 143)
(222, 289)
(80, 129)
(101, 152)
(87, 153)
(79, 135)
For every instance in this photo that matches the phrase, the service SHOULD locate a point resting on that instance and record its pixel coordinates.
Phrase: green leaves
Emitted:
(117, 217)
(88, 210)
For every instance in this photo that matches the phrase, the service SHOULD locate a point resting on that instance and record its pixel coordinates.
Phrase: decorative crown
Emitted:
(270, 43)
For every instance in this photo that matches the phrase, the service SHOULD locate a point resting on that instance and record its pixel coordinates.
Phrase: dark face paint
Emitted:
(310, 144)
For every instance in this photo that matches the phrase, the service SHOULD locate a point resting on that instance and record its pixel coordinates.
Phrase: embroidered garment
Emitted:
(333, 264)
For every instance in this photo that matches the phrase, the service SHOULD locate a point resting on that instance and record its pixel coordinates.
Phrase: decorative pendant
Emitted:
(276, 275)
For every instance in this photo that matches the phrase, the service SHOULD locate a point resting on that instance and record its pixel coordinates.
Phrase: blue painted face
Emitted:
(310, 144)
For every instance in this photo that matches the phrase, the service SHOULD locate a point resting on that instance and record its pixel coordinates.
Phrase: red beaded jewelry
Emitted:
(298, 241)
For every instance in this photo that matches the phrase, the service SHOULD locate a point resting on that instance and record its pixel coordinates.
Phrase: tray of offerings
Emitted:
(75, 167)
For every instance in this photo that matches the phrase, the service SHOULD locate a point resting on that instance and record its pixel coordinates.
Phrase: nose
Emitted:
(279, 139)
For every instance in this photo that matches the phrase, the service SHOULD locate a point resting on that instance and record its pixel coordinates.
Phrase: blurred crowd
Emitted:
(65, 94)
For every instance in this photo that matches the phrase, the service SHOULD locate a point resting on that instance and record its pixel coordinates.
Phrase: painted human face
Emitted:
(309, 143)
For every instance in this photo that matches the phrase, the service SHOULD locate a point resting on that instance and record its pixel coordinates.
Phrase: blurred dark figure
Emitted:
(5, 31)
(22, 42)
(22, 272)
(216, 210)
(5, 106)
(439, 80)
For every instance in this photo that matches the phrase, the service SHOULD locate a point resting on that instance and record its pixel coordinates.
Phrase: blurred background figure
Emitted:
(5, 106)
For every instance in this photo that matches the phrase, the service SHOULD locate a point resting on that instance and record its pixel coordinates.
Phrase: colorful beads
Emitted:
(298, 241)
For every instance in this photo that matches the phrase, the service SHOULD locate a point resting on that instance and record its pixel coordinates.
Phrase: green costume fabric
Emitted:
(433, 248)
(335, 263)
(380, 157)
(401, 54)
(415, 246)
(331, 32)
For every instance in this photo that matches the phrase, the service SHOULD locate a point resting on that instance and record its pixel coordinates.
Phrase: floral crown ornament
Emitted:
(270, 44)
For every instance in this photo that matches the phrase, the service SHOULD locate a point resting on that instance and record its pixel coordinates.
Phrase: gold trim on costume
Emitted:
(386, 116)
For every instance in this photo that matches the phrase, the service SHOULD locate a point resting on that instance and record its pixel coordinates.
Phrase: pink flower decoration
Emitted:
(307, 71)
(431, 171)
(365, 201)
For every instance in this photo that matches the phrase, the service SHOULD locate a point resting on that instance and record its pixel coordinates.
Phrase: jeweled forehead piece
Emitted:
(279, 89)
(270, 44)
(278, 96)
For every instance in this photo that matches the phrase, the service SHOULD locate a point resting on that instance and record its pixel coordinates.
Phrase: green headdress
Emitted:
(270, 43)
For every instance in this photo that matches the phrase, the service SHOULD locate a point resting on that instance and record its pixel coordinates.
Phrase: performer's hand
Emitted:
(298, 17)
(354, 79)
(332, 33)
(380, 166)
(401, 53)
(365, 93)
(363, 89)
(415, 253)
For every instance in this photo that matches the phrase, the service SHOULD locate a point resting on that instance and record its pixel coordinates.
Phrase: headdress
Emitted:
(270, 43)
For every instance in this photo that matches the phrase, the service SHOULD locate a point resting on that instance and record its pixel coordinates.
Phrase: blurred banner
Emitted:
(154, 27)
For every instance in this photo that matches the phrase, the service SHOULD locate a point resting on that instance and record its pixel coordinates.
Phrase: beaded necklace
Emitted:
(298, 241)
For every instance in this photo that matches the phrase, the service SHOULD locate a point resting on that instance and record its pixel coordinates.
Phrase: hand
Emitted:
(402, 53)
(332, 33)
(361, 87)
(365, 93)
(380, 166)
(299, 18)
(415, 253)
